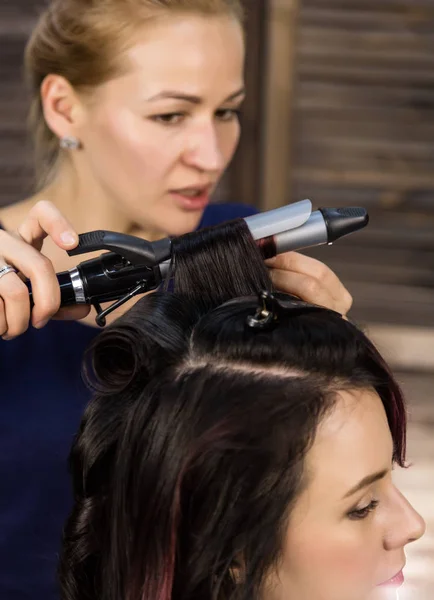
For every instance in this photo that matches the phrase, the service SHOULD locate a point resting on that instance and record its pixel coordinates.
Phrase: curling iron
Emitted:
(136, 266)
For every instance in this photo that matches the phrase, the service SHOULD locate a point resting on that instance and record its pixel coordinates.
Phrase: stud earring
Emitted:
(70, 142)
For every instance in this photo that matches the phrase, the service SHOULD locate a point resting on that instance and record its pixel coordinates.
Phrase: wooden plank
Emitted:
(369, 5)
(419, 150)
(394, 179)
(282, 19)
(395, 125)
(366, 164)
(242, 181)
(359, 47)
(324, 96)
(367, 155)
(373, 18)
(16, 22)
(341, 70)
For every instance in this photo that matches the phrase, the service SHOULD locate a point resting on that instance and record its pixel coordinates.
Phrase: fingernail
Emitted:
(41, 324)
(68, 238)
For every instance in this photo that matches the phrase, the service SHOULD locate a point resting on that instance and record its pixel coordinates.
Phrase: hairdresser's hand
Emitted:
(21, 249)
(310, 280)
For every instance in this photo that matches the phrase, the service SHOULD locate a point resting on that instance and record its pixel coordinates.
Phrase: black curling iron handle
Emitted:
(67, 293)
(102, 279)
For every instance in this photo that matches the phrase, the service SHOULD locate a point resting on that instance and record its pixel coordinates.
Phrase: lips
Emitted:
(192, 198)
(193, 191)
(395, 581)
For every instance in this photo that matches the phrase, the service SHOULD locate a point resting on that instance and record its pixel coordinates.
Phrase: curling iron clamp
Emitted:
(136, 266)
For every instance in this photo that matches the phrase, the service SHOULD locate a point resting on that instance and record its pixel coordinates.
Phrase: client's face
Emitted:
(348, 530)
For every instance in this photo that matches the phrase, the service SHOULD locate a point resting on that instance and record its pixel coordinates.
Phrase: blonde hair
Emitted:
(81, 40)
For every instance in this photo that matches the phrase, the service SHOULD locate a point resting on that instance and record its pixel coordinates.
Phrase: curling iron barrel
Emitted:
(134, 266)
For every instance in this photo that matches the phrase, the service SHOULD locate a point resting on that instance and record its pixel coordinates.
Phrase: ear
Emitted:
(237, 571)
(63, 110)
(236, 575)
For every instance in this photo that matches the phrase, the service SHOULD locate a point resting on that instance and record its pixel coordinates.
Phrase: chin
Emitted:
(383, 594)
(182, 223)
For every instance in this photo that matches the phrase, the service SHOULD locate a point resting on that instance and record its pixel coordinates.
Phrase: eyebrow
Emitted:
(175, 95)
(368, 480)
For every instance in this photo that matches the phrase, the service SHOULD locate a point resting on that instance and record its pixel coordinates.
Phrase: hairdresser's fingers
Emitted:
(322, 276)
(3, 322)
(44, 220)
(72, 313)
(306, 265)
(15, 305)
(305, 287)
(45, 287)
(22, 249)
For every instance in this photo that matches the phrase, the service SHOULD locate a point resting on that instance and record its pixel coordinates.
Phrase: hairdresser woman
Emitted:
(135, 119)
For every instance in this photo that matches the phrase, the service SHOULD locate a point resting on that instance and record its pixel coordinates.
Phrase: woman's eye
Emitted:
(169, 118)
(362, 513)
(228, 114)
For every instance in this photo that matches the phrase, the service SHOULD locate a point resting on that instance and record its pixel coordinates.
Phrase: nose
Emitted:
(407, 525)
(204, 150)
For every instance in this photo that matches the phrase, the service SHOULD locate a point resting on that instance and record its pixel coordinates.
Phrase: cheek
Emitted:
(237, 129)
(329, 563)
(230, 140)
(132, 148)
(347, 555)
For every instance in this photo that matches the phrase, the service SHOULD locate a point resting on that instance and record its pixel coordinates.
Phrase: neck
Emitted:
(87, 207)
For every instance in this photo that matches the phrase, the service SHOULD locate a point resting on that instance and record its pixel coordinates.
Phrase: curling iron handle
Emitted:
(67, 293)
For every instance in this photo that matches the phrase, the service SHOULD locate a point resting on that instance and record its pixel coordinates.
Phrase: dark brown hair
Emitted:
(191, 454)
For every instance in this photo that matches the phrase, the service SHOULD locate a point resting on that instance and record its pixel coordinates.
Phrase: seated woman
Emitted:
(236, 448)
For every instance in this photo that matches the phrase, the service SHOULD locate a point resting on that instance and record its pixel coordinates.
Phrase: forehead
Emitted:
(185, 51)
(352, 441)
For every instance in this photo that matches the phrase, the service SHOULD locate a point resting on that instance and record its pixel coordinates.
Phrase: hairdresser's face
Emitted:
(341, 546)
(159, 137)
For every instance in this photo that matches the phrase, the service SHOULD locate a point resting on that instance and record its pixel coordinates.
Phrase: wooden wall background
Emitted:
(16, 21)
(363, 134)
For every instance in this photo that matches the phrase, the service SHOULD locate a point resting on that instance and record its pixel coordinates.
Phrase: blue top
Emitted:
(41, 401)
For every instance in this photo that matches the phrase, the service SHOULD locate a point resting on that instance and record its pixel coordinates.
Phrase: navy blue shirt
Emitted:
(42, 399)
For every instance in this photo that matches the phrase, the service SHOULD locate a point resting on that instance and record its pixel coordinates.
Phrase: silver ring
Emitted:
(7, 269)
